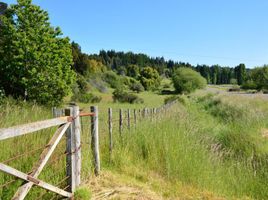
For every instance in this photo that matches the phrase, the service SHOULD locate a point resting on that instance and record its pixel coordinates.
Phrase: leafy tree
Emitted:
(186, 80)
(150, 78)
(259, 76)
(133, 71)
(240, 73)
(36, 60)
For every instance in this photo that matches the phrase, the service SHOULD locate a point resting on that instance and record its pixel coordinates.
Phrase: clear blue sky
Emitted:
(225, 32)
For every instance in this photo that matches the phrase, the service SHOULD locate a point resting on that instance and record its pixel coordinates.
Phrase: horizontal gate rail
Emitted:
(15, 131)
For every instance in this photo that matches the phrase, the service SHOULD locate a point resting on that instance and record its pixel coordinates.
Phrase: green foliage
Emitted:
(136, 87)
(82, 193)
(86, 98)
(240, 73)
(133, 71)
(35, 59)
(233, 81)
(122, 96)
(85, 65)
(2, 96)
(149, 78)
(112, 79)
(259, 76)
(249, 85)
(186, 80)
(82, 83)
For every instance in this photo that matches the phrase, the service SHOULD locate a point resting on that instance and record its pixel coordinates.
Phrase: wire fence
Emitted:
(64, 168)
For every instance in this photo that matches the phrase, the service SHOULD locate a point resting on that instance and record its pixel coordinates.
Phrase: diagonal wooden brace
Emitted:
(44, 157)
(28, 178)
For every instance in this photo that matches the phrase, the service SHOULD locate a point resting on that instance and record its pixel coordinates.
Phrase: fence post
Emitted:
(95, 139)
(70, 160)
(128, 119)
(110, 114)
(57, 112)
(77, 144)
(144, 113)
(135, 117)
(120, 121)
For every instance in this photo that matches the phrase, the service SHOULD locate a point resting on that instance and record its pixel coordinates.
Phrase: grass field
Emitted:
(206, 147)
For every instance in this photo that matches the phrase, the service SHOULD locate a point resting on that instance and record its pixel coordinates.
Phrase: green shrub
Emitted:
(122, 96)
(136, 87)
(86, 98)
(82, 83)
(249, 85)
(112, 79)
(150, 78)
(186, 80)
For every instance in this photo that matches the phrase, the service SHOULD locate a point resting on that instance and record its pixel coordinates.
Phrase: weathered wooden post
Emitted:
(95, 139)
(57, 112)
(70, 159)
(77, 144)
(73, 148)
(110, 121)
(144, 113)
(120, 121)
(135, 117)
(128, 119)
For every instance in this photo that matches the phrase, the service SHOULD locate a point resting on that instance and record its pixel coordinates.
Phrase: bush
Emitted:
(259, 77)
(112, 79)
(122, 96)
(186, 80)
(136, 87)
(82, 83)
(249, 85)
(150, 78)
(86, 98)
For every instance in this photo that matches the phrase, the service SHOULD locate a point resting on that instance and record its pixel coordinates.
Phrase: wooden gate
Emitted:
(69, 125)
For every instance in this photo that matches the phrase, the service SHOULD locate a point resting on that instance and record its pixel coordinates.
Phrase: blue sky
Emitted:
(225, 32)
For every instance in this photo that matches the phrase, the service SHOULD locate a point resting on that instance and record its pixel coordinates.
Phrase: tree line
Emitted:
(130, 64)
(39, 64)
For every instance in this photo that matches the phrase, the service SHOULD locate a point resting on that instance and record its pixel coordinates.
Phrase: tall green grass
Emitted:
(211, 143)
(207, 143)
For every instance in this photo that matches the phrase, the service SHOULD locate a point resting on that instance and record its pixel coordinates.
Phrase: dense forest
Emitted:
(131, 64)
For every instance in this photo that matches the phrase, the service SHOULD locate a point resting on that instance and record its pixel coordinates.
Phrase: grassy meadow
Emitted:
(207, 146)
